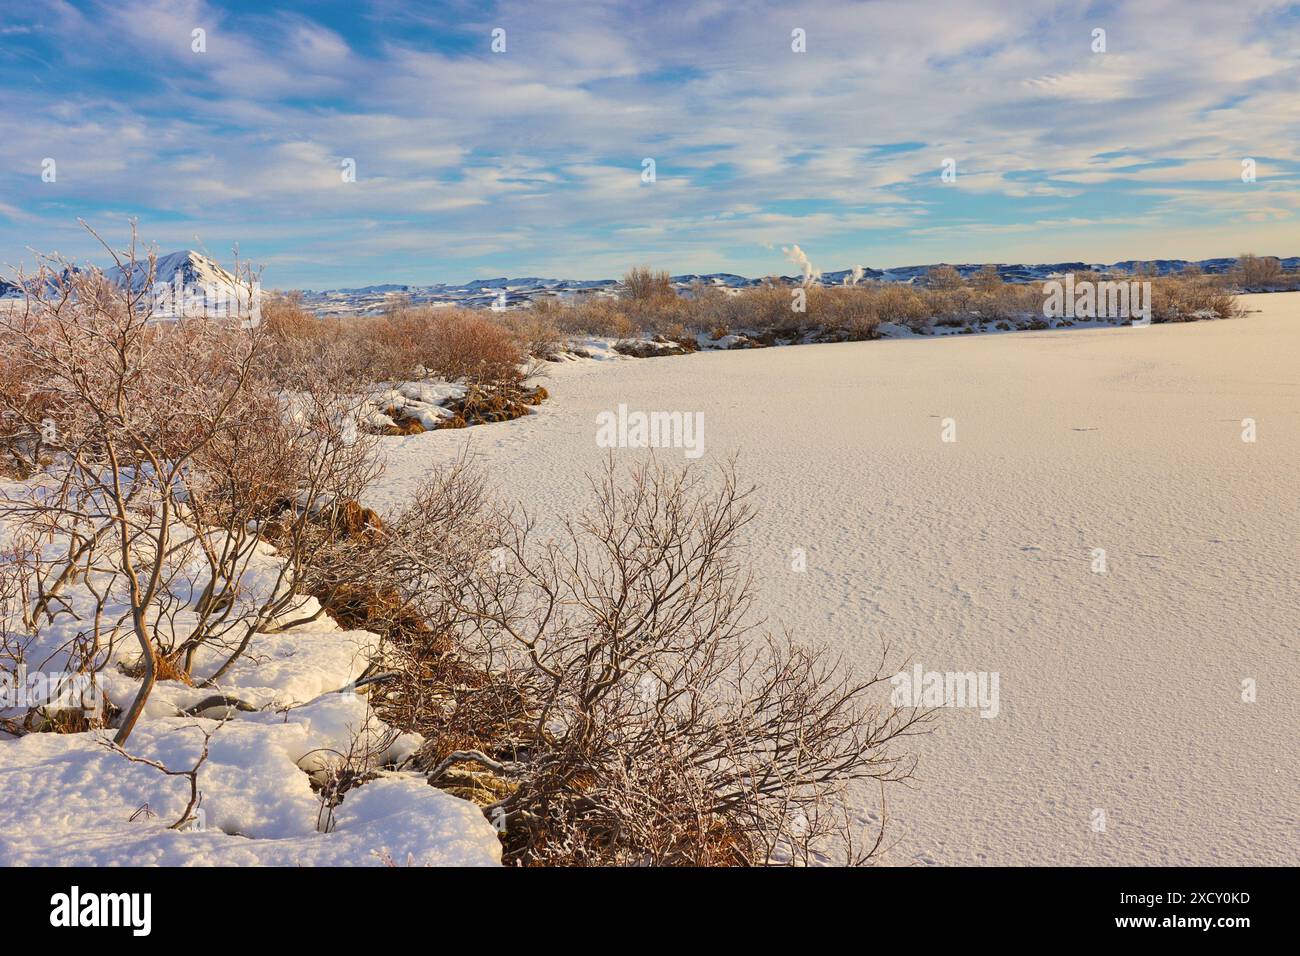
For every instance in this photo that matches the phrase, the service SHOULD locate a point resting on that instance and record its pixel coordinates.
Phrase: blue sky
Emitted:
(471, 163)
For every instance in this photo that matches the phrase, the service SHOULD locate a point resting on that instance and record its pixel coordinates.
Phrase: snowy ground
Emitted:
(68, 800)
(1120, 692)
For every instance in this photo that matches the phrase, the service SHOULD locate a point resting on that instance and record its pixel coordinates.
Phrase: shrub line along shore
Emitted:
(650, 318)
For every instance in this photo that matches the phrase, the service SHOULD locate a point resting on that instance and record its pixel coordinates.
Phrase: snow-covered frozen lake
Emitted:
(1119, 692)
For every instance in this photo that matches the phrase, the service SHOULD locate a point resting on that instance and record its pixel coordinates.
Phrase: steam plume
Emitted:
(800, 258)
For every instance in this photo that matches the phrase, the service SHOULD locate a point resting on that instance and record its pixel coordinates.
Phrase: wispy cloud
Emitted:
(530, 160)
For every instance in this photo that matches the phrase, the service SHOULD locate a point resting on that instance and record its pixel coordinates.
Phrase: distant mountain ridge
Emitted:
(511, 292)
(197, 271)
(1017, 272)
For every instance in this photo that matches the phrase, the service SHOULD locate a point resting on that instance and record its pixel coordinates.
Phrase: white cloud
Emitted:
(755, 145)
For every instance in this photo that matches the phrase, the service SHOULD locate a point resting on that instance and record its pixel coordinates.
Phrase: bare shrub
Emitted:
(392, 347)
(904, 305)
(534, 331)
(857, 313)
(1178, 299)
(644, 720)
(1254, 271)
(467, 345)
(134, 404)
(21, 408)
(285, 320)
(768, 307)
(587, 314)
(296, 485)
(988, 280)
(176, 447)
(996, 300)
(650, 303)
(643, 284)
(944, 278)
(451, 343)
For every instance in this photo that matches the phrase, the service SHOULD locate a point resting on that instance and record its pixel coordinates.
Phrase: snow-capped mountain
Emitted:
(192, 268)
(189, 283)
(181, 284)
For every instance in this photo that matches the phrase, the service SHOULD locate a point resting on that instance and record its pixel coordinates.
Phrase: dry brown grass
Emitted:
(167, 667)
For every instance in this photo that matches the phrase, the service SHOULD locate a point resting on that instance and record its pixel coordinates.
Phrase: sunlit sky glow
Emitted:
(473, 164)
